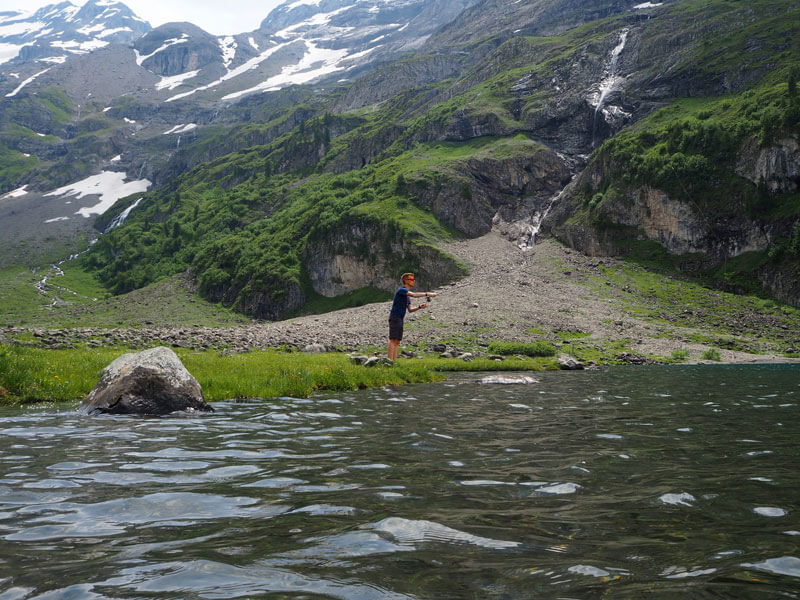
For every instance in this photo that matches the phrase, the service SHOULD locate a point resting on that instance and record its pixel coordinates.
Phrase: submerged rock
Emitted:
(569, 363)
(153, 382)
(508, 380)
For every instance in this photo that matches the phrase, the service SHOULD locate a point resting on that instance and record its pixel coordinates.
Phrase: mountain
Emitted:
(52, 34)
(341, 142)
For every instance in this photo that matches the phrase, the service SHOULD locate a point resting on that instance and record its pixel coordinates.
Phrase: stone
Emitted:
(569, 363)
(152, 382)
(314, 348)
(508, 380)
(358, 359)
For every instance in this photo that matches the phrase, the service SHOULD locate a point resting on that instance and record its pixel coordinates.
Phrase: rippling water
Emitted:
(629, 482)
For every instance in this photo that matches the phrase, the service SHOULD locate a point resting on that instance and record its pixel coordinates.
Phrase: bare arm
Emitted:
(423, 294)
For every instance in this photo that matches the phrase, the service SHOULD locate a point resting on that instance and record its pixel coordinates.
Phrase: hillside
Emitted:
(664, 132)
(328, 206)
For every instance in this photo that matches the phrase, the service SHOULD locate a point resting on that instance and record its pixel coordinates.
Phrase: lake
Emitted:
(673, 482)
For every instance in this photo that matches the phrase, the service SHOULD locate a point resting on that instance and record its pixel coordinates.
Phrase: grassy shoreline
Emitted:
(30, 375)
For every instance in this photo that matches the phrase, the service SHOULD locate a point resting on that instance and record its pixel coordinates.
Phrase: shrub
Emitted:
(712, 354)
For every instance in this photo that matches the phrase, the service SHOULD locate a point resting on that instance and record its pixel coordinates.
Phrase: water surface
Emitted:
(629, 482)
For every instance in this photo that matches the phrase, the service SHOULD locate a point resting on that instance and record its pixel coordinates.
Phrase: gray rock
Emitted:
(569, 363)
(508, 380)
(152, 382)
(315, 348)
(358, 359)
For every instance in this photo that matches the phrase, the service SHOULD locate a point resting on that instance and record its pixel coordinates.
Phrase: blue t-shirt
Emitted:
(401, 303)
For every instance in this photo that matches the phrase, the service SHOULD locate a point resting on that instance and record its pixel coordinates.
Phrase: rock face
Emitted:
(153, 382)
(363, 254)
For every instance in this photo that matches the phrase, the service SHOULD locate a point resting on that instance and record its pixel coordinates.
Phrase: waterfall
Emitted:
(141, 169)
(610, 81)
(178, 145)
(528, 238)
(120, 218)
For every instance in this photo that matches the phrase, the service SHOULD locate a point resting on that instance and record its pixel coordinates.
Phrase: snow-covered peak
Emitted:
(65, 29)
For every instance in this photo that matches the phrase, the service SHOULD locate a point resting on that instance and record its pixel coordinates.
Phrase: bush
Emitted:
(712, 354)
(534, 349)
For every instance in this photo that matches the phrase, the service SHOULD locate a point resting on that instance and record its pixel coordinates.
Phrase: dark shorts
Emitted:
(395, 328)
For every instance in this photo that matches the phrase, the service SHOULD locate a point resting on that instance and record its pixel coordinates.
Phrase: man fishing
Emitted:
(401, 304)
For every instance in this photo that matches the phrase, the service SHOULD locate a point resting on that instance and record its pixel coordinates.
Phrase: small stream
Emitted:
(673, 482)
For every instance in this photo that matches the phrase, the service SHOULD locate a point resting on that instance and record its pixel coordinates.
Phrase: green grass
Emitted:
(29, 374)
(85, 302)
(40, 375)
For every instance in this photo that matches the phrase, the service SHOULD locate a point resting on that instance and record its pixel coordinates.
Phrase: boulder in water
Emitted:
(569, 363)
(153, 382)
(508, 380)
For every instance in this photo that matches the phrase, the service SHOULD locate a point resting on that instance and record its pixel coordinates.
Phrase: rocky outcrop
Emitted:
(185, 48)
(153, 382)
(364, 254)
(480, 188)
(777, 166)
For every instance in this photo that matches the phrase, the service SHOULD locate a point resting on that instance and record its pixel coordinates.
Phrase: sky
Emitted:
(238, 16)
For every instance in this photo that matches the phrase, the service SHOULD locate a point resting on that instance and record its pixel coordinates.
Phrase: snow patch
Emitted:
(181, 128)
(17, 193)
(9, 51)
(316, 63)
(57, 60)
(318, 19)
(228, 47)
(170, 83)
(26, 82)
(167, 43)
(80, 47)
(252, 42)
(21, 28)
(107, 32)
(109, 185)
(250, 64)
(647, 5)
(57, 219)
(294, 5)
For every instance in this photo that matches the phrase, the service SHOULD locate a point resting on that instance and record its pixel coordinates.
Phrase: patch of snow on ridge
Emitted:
(26, 82)
(181, 128)
(170, 83)
(17, 192)
(109, 185)
(228, 47)
(316, 63)
(9, 51)
(167, 43)
(107, 32)
(294, 5)
(647, 5)
(318, 19)
(250, 64)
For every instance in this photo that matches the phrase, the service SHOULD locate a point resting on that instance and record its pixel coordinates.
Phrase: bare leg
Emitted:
(391, 352)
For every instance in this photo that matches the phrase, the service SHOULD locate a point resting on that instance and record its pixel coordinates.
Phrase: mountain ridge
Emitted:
(454, 140)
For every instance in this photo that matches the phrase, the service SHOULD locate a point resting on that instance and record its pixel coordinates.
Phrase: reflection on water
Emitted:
(673, 482)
